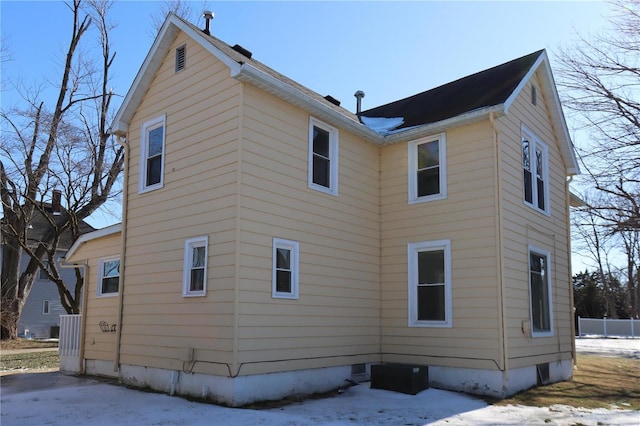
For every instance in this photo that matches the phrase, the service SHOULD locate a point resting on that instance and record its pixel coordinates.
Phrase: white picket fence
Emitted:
(609, 327)
(69, 345)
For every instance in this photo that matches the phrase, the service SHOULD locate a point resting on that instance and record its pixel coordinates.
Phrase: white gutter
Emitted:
(250, 74)
(92, 236)
(439, 126)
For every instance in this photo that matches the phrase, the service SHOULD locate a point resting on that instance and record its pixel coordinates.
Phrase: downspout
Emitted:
(504, 364)
(571, 302)
(83, 311)
(122, 141)
(238, 209)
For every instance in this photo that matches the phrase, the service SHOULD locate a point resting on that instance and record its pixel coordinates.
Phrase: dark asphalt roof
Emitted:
(480, 90)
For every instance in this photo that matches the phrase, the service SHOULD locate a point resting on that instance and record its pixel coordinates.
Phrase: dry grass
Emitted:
(26, 344)
(598, 382)
(30, 361)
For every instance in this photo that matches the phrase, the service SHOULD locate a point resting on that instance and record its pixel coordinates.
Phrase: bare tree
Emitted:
(67, 147)
(183, 8)
(600, 78)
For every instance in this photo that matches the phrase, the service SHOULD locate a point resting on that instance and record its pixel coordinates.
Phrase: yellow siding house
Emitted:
(275, 243)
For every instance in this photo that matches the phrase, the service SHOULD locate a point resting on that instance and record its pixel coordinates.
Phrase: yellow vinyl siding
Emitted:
(466, 218)
(201, 105)
(337, 309)
(99, 345)
(524, 226)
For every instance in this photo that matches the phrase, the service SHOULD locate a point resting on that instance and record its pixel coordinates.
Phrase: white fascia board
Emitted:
(151, 64)
(523, 82)
(417, 132)
(568, 152)
(89, 236)
(557, 115)
(250, 74)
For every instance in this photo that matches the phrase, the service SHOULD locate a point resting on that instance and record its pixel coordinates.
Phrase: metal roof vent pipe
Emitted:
(359, 95)
(208, 16)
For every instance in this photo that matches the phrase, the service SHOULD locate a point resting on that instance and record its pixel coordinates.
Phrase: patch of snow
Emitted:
(382, 125)
(68, 400)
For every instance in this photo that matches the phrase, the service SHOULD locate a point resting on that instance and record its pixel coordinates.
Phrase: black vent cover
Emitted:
(241, 50)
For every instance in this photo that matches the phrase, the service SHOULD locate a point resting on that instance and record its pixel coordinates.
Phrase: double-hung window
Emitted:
(195, 267)
(430, 303)
(152, 151)
(427, 169)
(540, 292)
(285, 269)
(535, 171)
(108, 276)
(323, 157)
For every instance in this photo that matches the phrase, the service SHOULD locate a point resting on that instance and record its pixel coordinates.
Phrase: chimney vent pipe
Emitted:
(359, 95)
(56, 199)
(208, 16)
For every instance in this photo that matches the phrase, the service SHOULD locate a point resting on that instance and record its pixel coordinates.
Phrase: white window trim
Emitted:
(101, 263)
(186, 270)
(413, 169)
(294, 246)
(333, 157)
(144, 149)
(46, 303)
(412, 266)
(535, 141)
(546, 253)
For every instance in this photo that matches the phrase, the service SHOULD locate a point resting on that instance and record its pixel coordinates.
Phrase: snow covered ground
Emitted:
(85, 401)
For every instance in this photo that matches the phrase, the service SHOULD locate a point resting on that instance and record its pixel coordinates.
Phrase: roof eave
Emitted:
(440, 126)
(109, 230)
(557, 116)
(252, 75)
(151, 64)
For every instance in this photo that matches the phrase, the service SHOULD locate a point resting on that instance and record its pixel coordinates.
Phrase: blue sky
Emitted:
(389, 50)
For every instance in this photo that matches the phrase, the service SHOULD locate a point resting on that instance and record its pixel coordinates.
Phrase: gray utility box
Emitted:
(405, 378)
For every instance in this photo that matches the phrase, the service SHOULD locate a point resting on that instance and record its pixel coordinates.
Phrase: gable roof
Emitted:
(39, 225)
(99, 233)
(484, 89)
(473, 98)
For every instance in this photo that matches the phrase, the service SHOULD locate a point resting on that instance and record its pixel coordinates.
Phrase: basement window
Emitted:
(181, 56)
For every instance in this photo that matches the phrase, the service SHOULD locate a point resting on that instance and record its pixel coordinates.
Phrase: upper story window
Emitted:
(46, 307)
(427, 169)
(285, 269)
(430, 300)
(323, 157)
(152, 154)
(108, 276)
(42, 274)
(540, 292)
(535, 171)
(181, 56)
(195, 267)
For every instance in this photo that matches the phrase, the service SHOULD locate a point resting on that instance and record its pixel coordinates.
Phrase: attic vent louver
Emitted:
(241, 50)
(181, 56)
(332, 100)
